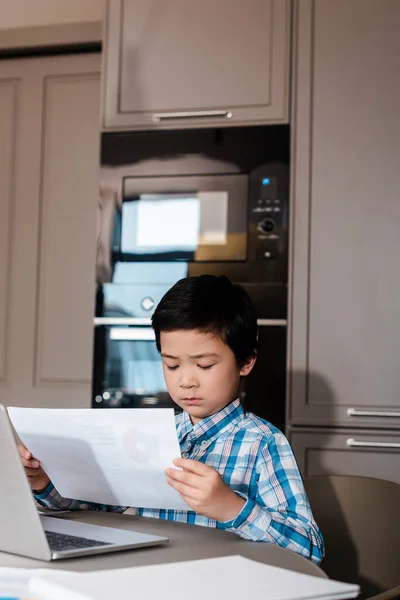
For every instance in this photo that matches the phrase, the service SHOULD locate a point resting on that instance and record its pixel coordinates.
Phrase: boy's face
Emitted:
(200, 371)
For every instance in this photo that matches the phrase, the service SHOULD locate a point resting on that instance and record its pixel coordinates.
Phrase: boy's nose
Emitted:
(188, 382)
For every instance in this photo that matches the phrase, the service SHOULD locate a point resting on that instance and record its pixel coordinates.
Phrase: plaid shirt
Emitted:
(256, 461)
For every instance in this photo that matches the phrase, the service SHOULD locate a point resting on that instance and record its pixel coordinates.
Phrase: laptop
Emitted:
(26, 532)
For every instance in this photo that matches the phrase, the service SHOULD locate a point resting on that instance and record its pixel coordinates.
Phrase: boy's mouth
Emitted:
(191, 401)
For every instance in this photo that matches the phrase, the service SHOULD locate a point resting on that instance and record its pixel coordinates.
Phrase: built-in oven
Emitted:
(181, 203)
(128, 371)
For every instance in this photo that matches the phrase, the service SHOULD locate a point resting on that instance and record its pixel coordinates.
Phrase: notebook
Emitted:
(232, 577)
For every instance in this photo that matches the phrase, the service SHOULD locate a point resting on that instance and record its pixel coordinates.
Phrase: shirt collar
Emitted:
(211, 427)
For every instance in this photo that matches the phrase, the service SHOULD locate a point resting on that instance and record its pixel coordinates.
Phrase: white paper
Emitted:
(108, 456)
(15, 581)
(232, 577)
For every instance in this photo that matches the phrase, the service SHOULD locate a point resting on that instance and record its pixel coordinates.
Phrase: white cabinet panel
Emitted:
(47, 277)
(8, 101)
(70, 171)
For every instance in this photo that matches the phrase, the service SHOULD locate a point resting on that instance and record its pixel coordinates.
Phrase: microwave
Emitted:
(216, 201)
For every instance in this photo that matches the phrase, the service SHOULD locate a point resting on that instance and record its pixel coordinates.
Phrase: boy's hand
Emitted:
(204, 490)
(37, 478)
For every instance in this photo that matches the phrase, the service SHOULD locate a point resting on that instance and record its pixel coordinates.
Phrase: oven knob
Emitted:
(267, 225)
(147, 303)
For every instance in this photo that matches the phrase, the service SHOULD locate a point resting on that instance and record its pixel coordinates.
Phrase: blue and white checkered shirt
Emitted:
(256, 461)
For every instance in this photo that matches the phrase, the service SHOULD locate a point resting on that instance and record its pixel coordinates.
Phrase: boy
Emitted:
(238, 471)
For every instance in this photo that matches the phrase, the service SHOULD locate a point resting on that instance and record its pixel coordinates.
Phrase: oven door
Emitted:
(264, 390)
(128, 370)
(127, 366)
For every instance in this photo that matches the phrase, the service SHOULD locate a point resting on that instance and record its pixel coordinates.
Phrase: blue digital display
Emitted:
(266, 181)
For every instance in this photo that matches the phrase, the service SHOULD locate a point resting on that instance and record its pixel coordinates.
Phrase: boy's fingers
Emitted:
(31, 464)
(24, 452)
(189, 479)
(194, 466)
(31, 472)
(183, 489)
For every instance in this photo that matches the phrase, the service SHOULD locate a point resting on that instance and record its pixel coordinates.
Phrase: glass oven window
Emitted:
(133, 361)
(131, 373)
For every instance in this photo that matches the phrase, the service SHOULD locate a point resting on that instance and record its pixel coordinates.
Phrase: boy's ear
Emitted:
(245, 370)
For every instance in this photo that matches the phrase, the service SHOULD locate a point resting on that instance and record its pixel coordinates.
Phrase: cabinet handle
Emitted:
(352, 443)
(271, 322)
(144, 321)
(194, 114)
(352, 412)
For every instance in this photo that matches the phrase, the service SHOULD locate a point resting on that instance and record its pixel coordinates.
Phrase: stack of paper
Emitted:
(232, 577)
(108, 456)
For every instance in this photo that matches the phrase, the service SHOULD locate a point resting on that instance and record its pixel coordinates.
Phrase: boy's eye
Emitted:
(172, 368)
(206, 367)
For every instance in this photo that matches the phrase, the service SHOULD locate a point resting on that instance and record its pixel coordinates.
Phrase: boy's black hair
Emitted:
(211, 304)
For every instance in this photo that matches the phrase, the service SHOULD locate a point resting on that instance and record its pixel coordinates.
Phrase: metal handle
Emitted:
(194, 114)
(271, 322)
(146, 321)
(352, 443)
(122, 321)
(352, 412)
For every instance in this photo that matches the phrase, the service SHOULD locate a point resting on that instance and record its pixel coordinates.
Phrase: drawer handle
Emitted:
(195, 114)
(352, 412)
(352, 443)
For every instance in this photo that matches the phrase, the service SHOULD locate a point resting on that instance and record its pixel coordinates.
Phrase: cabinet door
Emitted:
(360, 452)
(49, 169)
(8, 95)
(186, 63)
(345, 337)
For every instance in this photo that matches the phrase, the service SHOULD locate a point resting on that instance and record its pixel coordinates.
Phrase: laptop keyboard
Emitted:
(61, 542)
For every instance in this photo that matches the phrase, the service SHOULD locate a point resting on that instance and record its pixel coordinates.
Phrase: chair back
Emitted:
(360, 520)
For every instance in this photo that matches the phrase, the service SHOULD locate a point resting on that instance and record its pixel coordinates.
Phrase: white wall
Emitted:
(31, 13)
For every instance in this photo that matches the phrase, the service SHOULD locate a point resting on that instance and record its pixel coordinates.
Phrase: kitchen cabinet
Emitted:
(345, 278)
(8, 90)
(186, 63)
(366, 453)
(49, 177)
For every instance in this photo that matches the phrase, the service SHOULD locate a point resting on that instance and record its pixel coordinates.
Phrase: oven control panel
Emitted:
(268, 217)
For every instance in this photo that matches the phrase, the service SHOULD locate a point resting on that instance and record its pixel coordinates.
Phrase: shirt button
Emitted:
(204, 443)
(185, 454)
